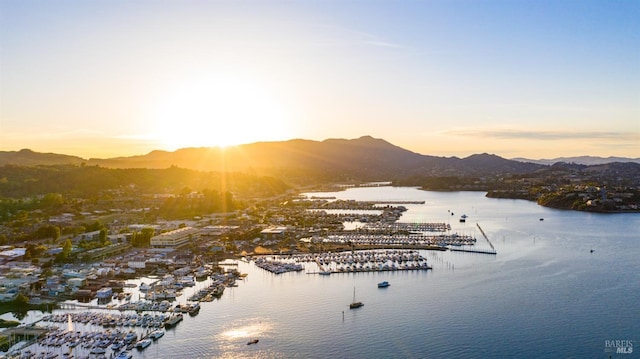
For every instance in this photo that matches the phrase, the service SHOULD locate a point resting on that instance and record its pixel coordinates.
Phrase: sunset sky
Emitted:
(535, 79)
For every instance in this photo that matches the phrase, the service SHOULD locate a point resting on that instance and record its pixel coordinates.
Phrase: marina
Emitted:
(408, 240)
(93, 335)
(346, 262)
(466, 303)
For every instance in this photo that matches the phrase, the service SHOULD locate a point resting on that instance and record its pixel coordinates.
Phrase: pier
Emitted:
(406, 240)
(481, 251)
(348, 262)
(399, 269)
(487, 238)
(28, 335)
(408, 227)
(73, 305)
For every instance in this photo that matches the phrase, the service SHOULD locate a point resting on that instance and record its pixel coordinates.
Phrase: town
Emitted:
(83, 244)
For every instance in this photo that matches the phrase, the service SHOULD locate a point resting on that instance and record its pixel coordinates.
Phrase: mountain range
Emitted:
(581, 160)
(364, 158)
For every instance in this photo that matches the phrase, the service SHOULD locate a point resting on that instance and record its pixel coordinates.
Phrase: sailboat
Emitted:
(355, 304)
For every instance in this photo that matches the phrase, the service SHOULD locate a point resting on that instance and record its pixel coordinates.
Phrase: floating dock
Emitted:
(481, 251)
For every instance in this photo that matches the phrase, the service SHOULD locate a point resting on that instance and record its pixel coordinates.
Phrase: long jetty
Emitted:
(481, 251)
(485, 237)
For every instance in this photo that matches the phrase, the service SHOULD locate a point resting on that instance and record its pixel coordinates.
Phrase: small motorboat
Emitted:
(383, 284)
(253, 341)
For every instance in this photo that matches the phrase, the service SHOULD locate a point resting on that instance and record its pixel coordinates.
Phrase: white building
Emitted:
(175, 238)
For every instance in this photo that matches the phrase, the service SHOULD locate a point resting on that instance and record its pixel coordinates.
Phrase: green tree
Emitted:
(56, 233)
(103, 236)
(21, 300)
(67, 247)
(63, 257)
(52, 201)
(95, 226)
(143, 239)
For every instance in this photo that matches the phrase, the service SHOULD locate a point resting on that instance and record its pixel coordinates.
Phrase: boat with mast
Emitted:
(355, 304)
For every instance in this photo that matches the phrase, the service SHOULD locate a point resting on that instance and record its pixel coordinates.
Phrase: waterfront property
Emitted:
(176, 238)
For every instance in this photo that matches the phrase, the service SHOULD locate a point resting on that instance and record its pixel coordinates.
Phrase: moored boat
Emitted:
(355, 304)
(142, 344)
(156, 334)
(194, 309)
(124, 355)
(383, 284)
(97, 350)
(173, 320)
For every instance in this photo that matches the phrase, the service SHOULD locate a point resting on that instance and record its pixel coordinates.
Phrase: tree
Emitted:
(95, 226)
(63, 257)
(52, 201)
(103, 236)
(143, 239)
(56, 233)
(67, 247)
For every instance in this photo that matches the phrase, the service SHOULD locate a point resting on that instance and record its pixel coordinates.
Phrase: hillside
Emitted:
(581, 160)
(365, 158)
(26, 157)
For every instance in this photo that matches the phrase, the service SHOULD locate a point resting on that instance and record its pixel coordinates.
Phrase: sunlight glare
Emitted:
(219, 111)
(246, 331)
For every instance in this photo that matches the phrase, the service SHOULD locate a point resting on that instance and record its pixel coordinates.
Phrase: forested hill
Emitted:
(365, 158)
(89, 181)
(26, 157)
(301, 161)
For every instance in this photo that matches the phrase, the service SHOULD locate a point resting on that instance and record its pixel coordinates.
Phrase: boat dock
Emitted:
(481, 251)
(485, 236)
(373, 269)
(406, 240)
(73, 305)
(349, 261)
(475, 250)
(409, 227)
(28, 335)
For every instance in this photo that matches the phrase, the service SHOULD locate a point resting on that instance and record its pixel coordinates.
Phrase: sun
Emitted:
(219, 111)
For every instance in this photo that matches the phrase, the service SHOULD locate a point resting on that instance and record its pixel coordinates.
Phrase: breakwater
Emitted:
(485, 237)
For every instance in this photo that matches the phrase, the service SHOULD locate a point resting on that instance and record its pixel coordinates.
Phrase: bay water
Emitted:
(561, 287)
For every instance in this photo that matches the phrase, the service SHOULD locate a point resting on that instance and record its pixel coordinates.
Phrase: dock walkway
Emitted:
(481, 251)
(487, 238)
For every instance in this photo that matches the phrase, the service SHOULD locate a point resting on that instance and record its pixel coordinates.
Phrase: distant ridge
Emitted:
(338, 159)
(364, 158)
(581, 160)
(27, 157)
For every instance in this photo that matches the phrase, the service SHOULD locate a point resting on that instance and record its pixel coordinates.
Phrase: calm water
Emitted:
(543, 295)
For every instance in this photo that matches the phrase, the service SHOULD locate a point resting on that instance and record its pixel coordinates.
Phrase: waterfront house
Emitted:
(88, 236)
(104, 293)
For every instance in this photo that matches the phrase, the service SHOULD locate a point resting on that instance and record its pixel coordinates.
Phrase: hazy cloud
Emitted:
(337, 35)
(382, 44)
(548, 135)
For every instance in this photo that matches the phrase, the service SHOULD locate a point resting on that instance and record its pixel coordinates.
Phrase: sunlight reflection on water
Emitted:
(257, 328)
